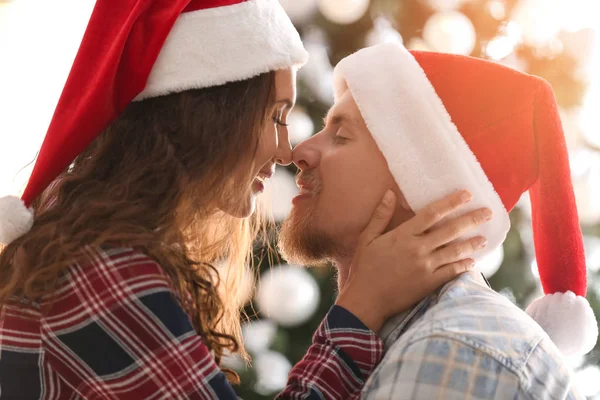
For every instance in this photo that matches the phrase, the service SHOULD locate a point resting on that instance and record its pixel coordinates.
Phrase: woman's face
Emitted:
(274, 145)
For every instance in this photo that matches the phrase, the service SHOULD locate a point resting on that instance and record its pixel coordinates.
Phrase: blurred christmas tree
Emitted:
(551, 39)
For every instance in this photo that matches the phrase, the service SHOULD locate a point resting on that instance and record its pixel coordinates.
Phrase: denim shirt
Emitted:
(468, 342)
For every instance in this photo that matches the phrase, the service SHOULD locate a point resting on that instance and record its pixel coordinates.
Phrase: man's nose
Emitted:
(306, 154)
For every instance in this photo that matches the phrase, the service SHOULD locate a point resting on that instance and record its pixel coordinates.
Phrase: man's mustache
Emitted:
(308, 181)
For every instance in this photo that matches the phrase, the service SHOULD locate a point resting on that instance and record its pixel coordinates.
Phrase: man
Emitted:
(424, 124)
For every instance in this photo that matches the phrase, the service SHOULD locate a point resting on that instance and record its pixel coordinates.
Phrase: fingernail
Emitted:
(471, 263)
(482, 243)
(465, 196)
(487, 214)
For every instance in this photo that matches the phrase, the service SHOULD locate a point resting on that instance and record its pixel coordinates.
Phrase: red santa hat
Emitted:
(446, 122)
(138, 49)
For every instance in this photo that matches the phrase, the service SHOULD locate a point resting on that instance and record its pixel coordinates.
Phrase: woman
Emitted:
(171, 120)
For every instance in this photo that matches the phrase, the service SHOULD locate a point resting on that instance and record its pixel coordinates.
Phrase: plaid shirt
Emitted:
(468, 342)
(115, 331)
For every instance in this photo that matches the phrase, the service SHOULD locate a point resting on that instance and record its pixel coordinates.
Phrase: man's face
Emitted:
(342, 180)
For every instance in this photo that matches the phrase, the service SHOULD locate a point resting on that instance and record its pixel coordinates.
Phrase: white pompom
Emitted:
(569, 321)
(15, 219)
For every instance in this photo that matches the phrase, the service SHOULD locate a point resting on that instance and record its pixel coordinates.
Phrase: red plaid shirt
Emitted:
(116, 332)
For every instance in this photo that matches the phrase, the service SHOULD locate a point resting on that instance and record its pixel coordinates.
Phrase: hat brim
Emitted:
(200, 53)
(426, 154)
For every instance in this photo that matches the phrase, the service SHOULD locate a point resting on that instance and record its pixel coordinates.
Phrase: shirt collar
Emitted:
(395, 326)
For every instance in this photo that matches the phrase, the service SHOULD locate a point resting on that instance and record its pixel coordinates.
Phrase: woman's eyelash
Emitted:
(279, 122)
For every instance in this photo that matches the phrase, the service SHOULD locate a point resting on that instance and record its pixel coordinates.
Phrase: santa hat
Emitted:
(137, 49)
(446, 122)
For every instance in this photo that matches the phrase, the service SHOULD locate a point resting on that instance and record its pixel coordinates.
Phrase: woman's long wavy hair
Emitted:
(154, 181)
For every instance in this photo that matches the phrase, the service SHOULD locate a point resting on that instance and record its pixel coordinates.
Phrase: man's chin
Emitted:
(300, 242)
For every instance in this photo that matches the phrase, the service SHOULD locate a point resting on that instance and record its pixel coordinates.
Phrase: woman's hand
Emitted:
(393, 271)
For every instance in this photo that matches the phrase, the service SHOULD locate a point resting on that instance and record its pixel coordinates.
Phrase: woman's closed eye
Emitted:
(278, 118)
(279, 122)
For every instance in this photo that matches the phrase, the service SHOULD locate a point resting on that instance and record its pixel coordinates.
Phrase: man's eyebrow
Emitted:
(334, 117)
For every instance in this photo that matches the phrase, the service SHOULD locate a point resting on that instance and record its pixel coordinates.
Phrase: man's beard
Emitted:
(300, 241)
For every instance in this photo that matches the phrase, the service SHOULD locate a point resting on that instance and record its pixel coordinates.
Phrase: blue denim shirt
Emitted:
(468, 342)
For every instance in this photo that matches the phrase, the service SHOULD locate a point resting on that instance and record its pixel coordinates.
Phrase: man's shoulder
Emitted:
(442, 366)
(469, 329)
(469, 312)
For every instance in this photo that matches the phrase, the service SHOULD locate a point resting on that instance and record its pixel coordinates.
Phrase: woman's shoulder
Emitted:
(119, 260)
(125, 264)
(109, 275)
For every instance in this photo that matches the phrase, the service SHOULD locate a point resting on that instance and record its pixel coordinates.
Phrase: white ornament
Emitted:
(587, 381)
(299, 11)
(450, 32)
(258, 335)
(272, 370)
(301, 126)
(279, 192)
(343, 12)
(490, 264)
(383, 32)
(288, 294)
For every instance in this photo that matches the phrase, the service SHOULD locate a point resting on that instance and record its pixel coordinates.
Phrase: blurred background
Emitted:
(558, 40)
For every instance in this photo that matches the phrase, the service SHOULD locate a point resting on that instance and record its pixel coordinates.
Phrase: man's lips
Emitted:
(305, 187)
(306, 191)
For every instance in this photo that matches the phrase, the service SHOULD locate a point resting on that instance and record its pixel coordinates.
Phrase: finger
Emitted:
(457, 251)
(435, 212)
(455, 228)
(380, 219)
(452, 271)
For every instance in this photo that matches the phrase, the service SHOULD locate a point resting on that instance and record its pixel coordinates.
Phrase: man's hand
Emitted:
(391, 272)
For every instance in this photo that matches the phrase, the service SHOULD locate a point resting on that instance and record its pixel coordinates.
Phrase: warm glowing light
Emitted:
(450, 32)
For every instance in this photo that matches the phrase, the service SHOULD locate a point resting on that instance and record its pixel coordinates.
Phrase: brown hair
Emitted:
(152, 181)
